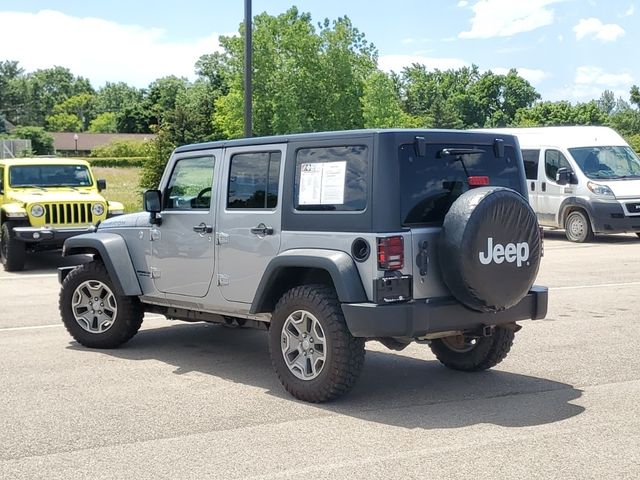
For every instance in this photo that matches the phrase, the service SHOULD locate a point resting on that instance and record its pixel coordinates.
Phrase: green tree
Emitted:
(41, 141)
(82, 106)
(64, 122)
(607, 102)
(635, 95)
(560, 113)
(106, 122)
(381, 106)
(160, 151)
(304, 79)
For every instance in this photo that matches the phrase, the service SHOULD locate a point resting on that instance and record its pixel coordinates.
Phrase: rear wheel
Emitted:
(93, 312)
(472, 354)
(312, 351)
(578, 227)
(13, 252)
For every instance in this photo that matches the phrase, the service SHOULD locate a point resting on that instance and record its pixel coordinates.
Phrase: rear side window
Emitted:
(253, 180)
(430, 185)
(530, 158)
(331, 178)
(553, 160)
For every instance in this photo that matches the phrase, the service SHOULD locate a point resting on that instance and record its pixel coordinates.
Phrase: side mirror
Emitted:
(153, 205)
(564, 176)
(102, 184)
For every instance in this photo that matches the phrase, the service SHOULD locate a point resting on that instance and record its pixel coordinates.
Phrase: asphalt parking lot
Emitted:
(202, 401)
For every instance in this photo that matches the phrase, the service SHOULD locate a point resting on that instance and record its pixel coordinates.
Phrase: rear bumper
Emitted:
(48, 235)
(418, 318)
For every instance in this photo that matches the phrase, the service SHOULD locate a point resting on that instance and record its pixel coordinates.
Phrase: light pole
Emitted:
(248, 130)
(75, 139)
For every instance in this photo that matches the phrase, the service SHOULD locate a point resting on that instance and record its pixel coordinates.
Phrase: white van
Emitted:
(583, 179)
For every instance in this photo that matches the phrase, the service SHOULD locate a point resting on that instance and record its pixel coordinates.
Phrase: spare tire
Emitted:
(490, 248)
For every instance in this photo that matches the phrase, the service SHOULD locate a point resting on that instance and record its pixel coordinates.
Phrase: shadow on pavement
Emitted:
(48, 262)
(614, 239)
(393, 389)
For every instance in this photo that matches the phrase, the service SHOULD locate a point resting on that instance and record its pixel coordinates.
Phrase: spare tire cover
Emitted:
(490, 248)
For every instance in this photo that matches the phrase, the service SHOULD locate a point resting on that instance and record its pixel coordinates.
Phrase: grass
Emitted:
(122, 186)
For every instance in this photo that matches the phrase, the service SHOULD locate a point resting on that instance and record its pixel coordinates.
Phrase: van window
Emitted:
(253, 180)
(553, 160)
(530, 158)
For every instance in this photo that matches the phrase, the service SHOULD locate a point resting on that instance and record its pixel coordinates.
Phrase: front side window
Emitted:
(530, 158)
(253, 180)
(190, 184)
(49, 176)
(553, 160)
(332, 178)
(607, 162)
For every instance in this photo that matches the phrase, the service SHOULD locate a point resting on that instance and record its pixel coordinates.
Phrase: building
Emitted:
(70, 143)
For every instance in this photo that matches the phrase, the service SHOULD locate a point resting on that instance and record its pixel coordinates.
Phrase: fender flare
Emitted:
(339, 265)
(113, 252)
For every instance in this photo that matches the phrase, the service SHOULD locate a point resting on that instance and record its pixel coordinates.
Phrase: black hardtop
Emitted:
(403, 135)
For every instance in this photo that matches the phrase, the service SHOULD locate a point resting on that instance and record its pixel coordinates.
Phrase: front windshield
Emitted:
(42, 176)
(607, 162)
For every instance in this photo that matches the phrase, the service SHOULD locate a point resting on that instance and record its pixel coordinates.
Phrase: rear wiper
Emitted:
(445, 152)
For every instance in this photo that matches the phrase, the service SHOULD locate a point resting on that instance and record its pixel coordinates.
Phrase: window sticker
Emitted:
(322, 183)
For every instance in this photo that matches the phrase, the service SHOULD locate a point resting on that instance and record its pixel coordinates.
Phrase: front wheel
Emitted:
(472, 354)
(93, 312)
(578, 227)
(313, 353)
(13, 252)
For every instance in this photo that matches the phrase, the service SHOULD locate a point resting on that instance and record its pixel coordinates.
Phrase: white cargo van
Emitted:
(583, 179)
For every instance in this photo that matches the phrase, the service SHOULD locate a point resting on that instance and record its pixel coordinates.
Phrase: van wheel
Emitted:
(93, 312)
(312, 351)
(578, 228)
(13, 252)
(471, 354)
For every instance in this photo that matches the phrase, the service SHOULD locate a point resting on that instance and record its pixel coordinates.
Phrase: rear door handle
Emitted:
(203, 228)
(262, 230)
(533, 186)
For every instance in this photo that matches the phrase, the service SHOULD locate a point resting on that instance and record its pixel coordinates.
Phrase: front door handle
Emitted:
(544, 186)
(262, 230)
(203, 228)
(533, 186)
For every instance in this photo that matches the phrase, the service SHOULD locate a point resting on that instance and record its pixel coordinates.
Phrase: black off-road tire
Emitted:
(126, 322)
(485, 354)
(578, 235)
(344, 353)
(13, 253)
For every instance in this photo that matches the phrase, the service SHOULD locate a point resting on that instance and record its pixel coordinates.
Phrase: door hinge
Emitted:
(223, 280)
(222, 238)
(155, 273)
(154, 234)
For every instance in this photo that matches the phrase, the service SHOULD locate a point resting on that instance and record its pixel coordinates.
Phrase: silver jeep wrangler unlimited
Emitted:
(328, 240)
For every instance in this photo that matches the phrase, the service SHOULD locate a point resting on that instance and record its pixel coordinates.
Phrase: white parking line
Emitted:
(23, 277)
(600, 285)
(33, 327)
(153, 316)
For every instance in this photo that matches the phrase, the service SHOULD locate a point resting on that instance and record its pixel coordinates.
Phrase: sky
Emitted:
(568, 49)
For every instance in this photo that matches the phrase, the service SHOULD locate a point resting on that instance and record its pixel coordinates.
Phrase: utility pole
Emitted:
(248, 68)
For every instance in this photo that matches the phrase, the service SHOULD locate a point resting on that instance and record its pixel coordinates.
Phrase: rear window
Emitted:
(430, 185)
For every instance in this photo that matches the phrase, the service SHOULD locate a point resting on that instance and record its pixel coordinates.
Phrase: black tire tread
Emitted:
(489, 352)
(588, 236)
(129, 317)
(348, 352)
(16, 250)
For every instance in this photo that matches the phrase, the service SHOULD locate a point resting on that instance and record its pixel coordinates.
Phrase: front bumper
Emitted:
(48, 235)
(419, 317)
(611, 217)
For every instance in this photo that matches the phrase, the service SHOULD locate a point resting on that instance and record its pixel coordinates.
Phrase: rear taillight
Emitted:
(390, 253)
(478, 181)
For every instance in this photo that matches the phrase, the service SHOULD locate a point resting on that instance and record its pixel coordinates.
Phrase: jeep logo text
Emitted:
(511, 252)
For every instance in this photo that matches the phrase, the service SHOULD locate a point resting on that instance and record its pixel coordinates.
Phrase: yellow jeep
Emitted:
(44, 201)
